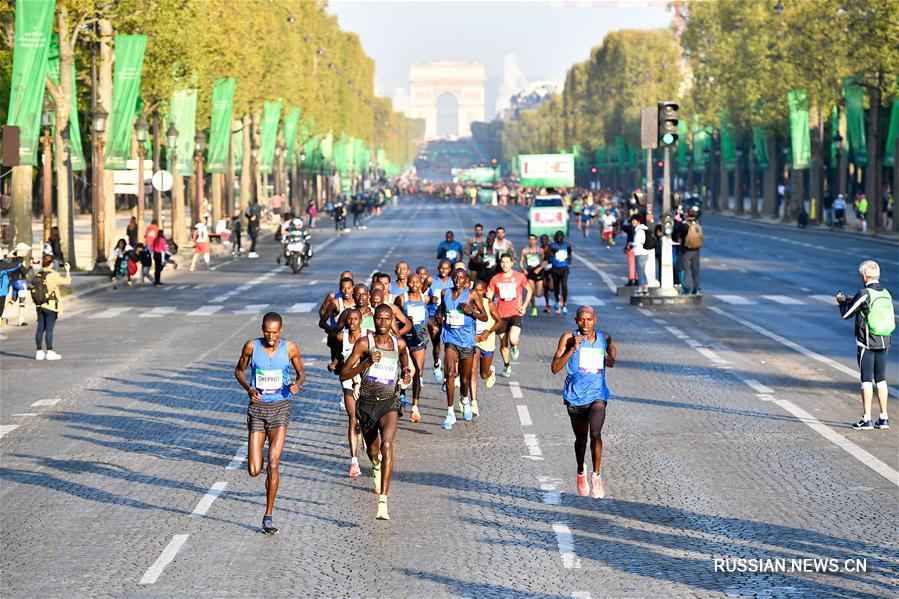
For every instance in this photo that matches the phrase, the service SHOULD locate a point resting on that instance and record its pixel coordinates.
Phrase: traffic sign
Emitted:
(163, 180)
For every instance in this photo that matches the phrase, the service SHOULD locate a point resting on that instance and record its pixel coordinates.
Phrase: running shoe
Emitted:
(466, 409)
(514, 351)
(267, 526)
(507, 371)
(376, 476)
(583, 489)
(460, 408)
(863, 425)
(438, 373)
(474, 409)
(450, 419)
(556, 308)
(546, 309)
(39, 354)
(52, 355)
(443, 387)
(565, 310)
(599, 491)
(534, 311)
(355, 470)
(415, 416)
(382, 508)
(491, 379)
(882, 423)
(403, 399)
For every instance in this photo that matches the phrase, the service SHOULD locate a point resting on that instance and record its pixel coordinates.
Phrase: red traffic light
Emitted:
(659, 188)
(593, 170)
(493, 161)
(482, 164)
(660, 164)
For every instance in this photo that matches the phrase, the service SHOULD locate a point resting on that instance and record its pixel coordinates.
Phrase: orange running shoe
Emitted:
(583, 489)
(599, 490)
(415, 416)
(354, 469)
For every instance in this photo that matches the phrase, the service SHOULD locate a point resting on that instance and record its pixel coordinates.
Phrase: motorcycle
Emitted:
(297, 250)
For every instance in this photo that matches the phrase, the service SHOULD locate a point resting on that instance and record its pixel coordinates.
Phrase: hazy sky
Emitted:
(548, 37)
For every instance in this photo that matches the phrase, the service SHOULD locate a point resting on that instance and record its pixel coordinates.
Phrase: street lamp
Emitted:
(171, 135)
(200, 145)
(47, 118)
(140, 129)
(98, 125)
(302, 185)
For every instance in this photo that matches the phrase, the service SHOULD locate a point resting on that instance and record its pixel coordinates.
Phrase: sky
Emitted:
(547, 37)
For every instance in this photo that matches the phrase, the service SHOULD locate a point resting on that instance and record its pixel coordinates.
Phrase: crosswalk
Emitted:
(781, 300)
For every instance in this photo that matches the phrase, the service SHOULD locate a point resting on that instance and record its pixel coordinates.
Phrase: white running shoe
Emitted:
(252, 255)
(52, 355)
(40, 355)
(450, 419)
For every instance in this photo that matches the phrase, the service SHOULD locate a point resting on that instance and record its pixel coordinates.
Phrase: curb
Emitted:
(875, 237)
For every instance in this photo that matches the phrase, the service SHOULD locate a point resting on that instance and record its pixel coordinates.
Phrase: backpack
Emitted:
(881, 317)
(40, 295)
(4, 281)
(693, 238)
(649, 240)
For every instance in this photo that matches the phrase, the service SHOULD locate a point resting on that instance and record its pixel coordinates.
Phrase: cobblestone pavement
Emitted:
(721, 442)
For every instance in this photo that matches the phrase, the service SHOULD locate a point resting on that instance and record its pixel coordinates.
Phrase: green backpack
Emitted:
(881, 318)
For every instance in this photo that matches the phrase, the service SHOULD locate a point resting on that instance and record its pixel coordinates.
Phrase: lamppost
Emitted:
(301, 187)
(279, 152)
(838, 140)
(47, 118)
(140, 129)
(98, 124)
(171, 135)
(200, 142)
(69, 251)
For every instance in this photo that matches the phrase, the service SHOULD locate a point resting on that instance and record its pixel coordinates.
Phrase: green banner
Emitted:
(854, 95)
(237, 144)
(683, 146)
(327, 147)
(34, 21)
(889, 152)
(546, 170)
(760, 147)
(800, 137)
(291, 124)
(342, 155)
(183, 113)
(702, 145)
(728, 143)
(622, 151)
(271, 116)
(129, 62)
(220, 124)
(77, 158)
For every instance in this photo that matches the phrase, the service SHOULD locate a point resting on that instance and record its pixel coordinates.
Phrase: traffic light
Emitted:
(667, 123)
(667, 225)
(593, 169)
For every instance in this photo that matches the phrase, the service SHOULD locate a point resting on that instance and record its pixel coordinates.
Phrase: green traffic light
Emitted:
(668, 139)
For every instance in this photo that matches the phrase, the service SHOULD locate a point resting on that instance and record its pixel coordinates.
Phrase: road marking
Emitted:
(610, 283)
(757, 386)
(737, 300)
(180, 287)
(566, 545)
(764, 396)
(534, 451)
(524, 416)
(795, 346)
(677, 332)
(205, 311)
(710, 355)
(644, 312)
(223, 297)
(26, 414)
(552, 495)
(581, 595)
(239, 456)
(515, 388)
(827, 299)
(5, 429)
(220, 264)
(158, 312)
(110, 312)
(45, 402)
(165, 558)
(251, 309)
(313, 282)
(784, 300)
(301, 307)
(211, 495)
(588, 300)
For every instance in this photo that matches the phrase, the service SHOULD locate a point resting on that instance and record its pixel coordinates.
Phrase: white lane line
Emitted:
(211, 495)
(784, 300)
(533, 445)
(710, 355)
(165, 558)
(589, 300)
(795, 346)
(5, 429)
(243, 287)
(677, 332)
(252, 309)
(301, 307)
(566, 545)
(644, 312)
(515, 388)
(26, 415)
(551, 493)
(658, 320)
(220, 264)
(757, 386)
(110, 312)
(610, 283)
(524, 416)
(239, 456)
(737, 300)
(180, 287)
(222, 297)
(205, 311)
(764, 396)
(581, 595)
(45, 402)
(827, 299)
(158, 312)
(313, 282)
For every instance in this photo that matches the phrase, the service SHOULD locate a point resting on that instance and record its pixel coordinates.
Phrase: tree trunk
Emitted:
(872, 171)
(63, 100)
(723, 184)
(104, 95)
(216, 198)
(20, 209)
(246, 168)
(178, 233)
(816, 188)
(157, 195)
(769, 202)
(738, 184)
(753, 188)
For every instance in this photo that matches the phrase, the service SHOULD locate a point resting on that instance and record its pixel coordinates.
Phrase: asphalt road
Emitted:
(727, 437)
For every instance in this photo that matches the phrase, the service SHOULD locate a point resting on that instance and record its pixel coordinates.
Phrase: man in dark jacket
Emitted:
(690, 249)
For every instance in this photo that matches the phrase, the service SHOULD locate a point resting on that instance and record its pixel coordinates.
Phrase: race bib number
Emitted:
(416, 314)
(562, 255)
(508, 291)
(455, 319)
(384, 371)
(368, 323)
(490, 260)
(452, 254)
(533, 260)
(268, 381)
(592, 360)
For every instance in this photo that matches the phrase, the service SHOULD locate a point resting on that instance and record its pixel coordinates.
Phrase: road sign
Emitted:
(126, 181)
(162, 180)
(649, 128)
(546, 170)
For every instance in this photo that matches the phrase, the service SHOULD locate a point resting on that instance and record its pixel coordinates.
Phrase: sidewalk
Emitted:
(890, 238)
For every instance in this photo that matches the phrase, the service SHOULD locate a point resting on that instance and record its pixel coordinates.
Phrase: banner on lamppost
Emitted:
(129, 62)
(183, 113)
(889, 153)
(702, 145)
(34, 22)
(760, 146)
(77, 156)
(683, 146)
(291, 124)
(800, 136)
(728, 143)
(220, 124)
(271, 116)
(237, 144)
(854, 95)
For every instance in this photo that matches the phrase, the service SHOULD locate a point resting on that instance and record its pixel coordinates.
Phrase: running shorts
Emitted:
(370, 411)
(581, 412)
(465, 353)
(511, 321)
(872, 364)
(264, 417)
(535, 276)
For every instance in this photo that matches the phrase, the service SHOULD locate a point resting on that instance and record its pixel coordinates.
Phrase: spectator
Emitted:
(150, 233)
(222, 230)
(313, 215)
(236, 230)
(254, 216)
(120, 254)
(18, 277)
(145, 260)
(201, 245)
(689, 232)
(641, 253)
(160, 250)
(839, 211)
(55, 246)
(131, 231)
(628, 229)
(46, 296)
(861, 212)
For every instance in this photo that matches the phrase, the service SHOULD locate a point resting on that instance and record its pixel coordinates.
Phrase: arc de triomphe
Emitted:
(465, 81)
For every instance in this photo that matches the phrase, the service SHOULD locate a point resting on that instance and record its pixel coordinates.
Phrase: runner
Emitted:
(414, 304)
(333, 309)
(450, 249)
(608, 229)
(376, 358)
(560, 253)
(548, 286)
(270, 390)
(435, 290)
(459, 308)
(381, 280)
(345, 340)
(532, 262)
(473, 247)
(401, 285)
(502, 245)
(584, 353)
(488, 258)
(485, 347)
(363, 303)
(506, 287)
(328, 298)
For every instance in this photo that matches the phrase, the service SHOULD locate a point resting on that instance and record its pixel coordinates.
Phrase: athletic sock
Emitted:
(883, 416)
(355, 460)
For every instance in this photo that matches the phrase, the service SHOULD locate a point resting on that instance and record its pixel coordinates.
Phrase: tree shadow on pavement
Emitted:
(468, 588)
